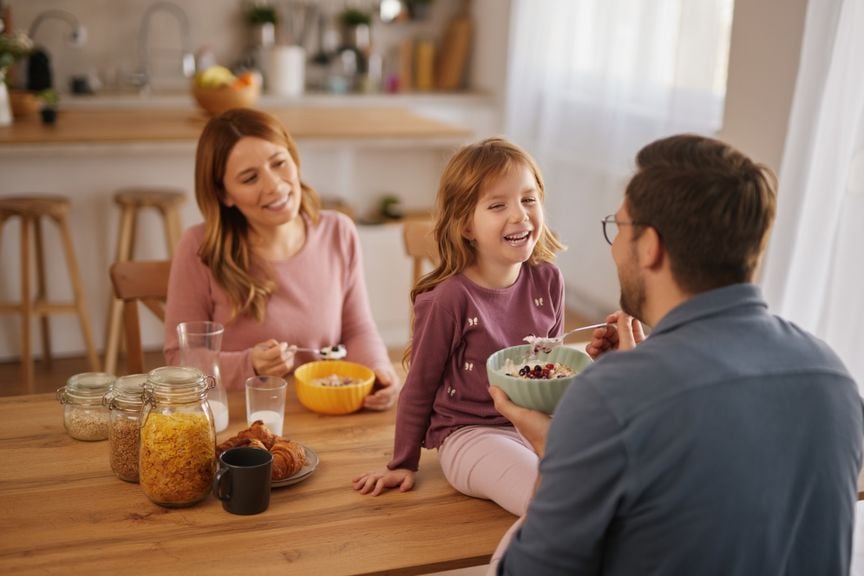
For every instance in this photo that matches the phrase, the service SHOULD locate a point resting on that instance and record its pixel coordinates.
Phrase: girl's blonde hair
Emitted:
(225, 250)
(469, 172)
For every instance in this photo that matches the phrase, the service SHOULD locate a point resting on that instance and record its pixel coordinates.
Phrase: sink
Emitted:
(127, 99)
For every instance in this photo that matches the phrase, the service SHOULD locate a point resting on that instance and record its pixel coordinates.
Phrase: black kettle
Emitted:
(39, 75)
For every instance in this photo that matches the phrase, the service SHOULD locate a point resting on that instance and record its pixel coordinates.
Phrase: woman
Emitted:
(267, 263)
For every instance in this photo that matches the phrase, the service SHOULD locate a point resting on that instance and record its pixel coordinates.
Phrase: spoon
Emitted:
(335, 352)
(545, 345)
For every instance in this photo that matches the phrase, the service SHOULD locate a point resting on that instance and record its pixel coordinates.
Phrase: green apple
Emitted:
(214, 77)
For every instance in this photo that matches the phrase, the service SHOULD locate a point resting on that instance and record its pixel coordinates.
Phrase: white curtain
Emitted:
(814, 270)
(592, 81)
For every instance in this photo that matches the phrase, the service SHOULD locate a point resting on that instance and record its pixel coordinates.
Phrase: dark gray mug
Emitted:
(243, 480)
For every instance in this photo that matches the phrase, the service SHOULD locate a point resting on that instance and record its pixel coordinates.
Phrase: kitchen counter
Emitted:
(160, 125)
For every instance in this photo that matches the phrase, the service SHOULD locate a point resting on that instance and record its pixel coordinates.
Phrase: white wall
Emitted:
(763, 66)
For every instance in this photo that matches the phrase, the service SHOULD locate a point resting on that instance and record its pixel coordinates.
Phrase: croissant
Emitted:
(237, 441)
(259, 431)
(288, 458)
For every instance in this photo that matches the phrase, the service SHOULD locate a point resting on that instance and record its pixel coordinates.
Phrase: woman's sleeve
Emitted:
(190, 298)
(359, 332)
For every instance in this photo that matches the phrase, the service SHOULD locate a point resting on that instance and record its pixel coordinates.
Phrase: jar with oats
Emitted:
(84, 415)
(124, 402)
(177, 459)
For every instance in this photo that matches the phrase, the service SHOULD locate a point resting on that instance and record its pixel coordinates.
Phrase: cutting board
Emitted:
(453, 55)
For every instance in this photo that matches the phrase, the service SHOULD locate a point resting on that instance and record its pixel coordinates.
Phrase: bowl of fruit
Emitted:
(217, 89)
(535, 380)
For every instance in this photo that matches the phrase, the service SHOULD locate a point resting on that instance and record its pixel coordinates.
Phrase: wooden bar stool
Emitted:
(31, 209)
(168, 202)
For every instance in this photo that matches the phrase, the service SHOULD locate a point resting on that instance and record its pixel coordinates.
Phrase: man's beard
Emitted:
(632, 290)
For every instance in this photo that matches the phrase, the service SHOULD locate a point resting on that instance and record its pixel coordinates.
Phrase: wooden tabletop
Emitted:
(185, 124)
(62, 510)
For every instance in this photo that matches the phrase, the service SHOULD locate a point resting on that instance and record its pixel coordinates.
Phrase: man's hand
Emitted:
(533, 425)
(622, 332)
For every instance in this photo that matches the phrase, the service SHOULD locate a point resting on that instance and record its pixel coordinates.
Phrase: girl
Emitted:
(267, 263)
(495, 285)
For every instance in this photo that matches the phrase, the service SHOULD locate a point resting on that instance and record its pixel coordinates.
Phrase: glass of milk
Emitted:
(265, 401)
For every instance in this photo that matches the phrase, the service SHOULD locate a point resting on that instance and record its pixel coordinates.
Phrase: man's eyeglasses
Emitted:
(611, 226)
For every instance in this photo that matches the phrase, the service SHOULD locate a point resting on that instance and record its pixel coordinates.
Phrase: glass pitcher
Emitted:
(200, 344)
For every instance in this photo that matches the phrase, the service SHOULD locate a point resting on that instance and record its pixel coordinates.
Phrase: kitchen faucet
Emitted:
(187, 62)
(79, 33)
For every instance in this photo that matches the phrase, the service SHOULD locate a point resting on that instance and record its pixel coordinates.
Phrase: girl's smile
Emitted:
(505, 227)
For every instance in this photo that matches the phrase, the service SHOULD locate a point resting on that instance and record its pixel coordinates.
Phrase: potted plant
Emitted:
(263, 20)
(12, 49)
(419, 9)
(354, 17)
(354, 25)
(49, 99)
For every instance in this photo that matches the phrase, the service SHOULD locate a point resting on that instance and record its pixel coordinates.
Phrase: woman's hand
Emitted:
(386, 390)
(531, 424)
(375, 483)
(622, 332)
(273, 358)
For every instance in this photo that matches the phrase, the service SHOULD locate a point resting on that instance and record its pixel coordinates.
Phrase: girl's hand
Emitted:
(622, 332)
(272, 358)
(386, 389)
(377, 482)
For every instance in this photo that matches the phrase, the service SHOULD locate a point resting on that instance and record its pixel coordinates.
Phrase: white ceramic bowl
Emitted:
(542, 395)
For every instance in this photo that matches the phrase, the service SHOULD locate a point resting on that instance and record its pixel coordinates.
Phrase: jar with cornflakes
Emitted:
(125, 401)
(84, 415)
(177, 458)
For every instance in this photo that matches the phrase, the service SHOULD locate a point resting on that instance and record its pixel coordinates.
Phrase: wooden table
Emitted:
(62, 511)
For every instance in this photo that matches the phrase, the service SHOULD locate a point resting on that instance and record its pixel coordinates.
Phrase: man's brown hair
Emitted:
(711, 205)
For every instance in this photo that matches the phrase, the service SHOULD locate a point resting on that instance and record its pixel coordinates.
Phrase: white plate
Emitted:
(307, 470)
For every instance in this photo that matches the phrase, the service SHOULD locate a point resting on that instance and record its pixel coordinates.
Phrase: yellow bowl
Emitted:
(217, 100)
(333, 399)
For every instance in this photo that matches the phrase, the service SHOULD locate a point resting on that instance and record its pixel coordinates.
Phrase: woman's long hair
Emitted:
(469, 172)
(225, 249)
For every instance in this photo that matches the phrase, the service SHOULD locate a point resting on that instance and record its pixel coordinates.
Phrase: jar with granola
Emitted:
(84, 415)
(177, 459)
(124, 402)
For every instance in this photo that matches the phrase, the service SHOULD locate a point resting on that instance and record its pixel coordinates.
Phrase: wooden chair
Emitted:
(420, 245)
(167, 202)
(145, 281)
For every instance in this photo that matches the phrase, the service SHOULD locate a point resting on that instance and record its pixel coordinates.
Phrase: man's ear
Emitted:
(651, 249)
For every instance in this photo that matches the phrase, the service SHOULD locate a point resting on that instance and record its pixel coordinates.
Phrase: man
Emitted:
(728, 441)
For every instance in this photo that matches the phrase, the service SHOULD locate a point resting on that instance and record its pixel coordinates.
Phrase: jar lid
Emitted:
(174, 375)
(126, 391)
(176, 383)
(85, 387)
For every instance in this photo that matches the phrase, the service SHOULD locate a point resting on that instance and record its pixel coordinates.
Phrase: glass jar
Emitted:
(84, 415)
(178, 440)
(124, 402)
